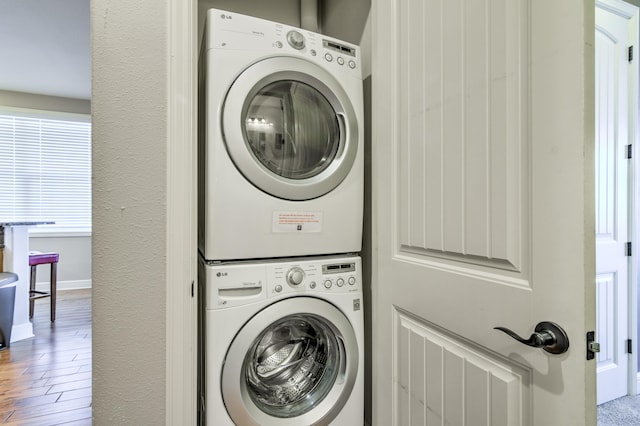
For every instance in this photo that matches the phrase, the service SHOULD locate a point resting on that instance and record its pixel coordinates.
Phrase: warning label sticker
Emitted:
(296, 222)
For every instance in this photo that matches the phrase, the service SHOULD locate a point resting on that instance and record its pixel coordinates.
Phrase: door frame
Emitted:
(181, 230)
(634, 208)
(633, 375)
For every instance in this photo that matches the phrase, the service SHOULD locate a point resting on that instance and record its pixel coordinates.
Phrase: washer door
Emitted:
(290, 128)
(293, 363)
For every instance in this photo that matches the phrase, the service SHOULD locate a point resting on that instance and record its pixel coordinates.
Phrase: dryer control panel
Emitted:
(236, 284)
(234, 31)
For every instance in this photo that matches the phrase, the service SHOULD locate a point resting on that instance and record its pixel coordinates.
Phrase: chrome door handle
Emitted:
(548, 336)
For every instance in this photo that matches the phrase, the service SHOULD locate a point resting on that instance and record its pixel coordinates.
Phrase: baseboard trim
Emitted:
(65, 285)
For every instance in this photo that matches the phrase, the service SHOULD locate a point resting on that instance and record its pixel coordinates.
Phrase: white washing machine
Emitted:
(280, 141)
(284, 342)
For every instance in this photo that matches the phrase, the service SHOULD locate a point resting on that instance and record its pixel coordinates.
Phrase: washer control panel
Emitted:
(332, 274)
(236, 284)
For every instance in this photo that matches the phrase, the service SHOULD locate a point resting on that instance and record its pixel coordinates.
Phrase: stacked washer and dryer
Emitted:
(280, 225)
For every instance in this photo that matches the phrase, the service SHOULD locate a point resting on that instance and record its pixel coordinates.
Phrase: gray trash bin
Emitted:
(7, 303)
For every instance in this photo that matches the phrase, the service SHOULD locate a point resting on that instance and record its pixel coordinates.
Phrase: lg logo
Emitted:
(221, 274)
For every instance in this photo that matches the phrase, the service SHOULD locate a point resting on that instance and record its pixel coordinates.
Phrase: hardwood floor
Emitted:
(46, 380)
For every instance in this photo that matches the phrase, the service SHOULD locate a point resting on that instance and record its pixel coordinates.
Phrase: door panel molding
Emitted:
(465, 200)
(438, 366)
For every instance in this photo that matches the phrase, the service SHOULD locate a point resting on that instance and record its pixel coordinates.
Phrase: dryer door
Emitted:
(290, 128)
(293, 363)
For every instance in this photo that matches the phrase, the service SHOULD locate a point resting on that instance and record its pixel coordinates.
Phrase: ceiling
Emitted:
(45, 47)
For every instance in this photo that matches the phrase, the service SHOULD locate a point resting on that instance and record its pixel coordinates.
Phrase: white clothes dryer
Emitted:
(280, 141)
(284, 342)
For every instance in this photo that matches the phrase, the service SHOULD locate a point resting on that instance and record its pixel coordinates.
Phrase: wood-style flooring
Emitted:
(46, 380)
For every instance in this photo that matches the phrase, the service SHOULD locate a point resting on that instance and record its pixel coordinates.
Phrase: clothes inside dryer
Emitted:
(292, 129)
(292, 365)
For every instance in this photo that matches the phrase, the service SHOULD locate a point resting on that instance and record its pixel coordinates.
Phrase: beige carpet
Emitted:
(620, 412)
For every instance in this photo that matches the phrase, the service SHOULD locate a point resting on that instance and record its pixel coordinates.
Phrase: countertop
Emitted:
(25, 222)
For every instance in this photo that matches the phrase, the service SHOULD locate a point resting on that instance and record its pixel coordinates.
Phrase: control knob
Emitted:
(296, 40)
(295, 276)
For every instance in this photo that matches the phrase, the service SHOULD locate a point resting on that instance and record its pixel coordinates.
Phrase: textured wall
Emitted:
(129, 95)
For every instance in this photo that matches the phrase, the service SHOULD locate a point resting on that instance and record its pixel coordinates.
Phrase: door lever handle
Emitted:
(548, 336)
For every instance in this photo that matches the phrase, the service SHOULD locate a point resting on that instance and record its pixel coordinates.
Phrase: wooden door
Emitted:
(483, 210)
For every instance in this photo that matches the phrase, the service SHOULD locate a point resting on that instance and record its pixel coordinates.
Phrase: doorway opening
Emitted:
(616, 96)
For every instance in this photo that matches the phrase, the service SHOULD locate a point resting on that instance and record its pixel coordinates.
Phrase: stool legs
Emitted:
(54, 282)
(51, 293)
(32, 290)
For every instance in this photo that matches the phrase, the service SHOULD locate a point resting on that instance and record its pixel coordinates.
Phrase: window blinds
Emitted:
(45, 170)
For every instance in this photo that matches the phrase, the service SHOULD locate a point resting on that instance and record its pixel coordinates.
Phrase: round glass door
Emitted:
(292, 129)
(293, 363)
(289, 128)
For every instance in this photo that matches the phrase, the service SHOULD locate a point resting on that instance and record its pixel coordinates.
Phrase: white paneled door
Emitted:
(483, 214)
(616, 77)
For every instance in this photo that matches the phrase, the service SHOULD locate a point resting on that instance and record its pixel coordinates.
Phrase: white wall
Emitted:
(45, 103)
(74, 266)
(130, 57)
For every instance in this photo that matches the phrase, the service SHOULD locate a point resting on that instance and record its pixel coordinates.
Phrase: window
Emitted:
(45, 169)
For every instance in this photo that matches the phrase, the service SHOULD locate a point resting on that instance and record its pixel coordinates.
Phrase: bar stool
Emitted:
(37, 258)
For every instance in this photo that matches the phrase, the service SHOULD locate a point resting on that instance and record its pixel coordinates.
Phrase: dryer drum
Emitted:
(292, 129)
(292, 365)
